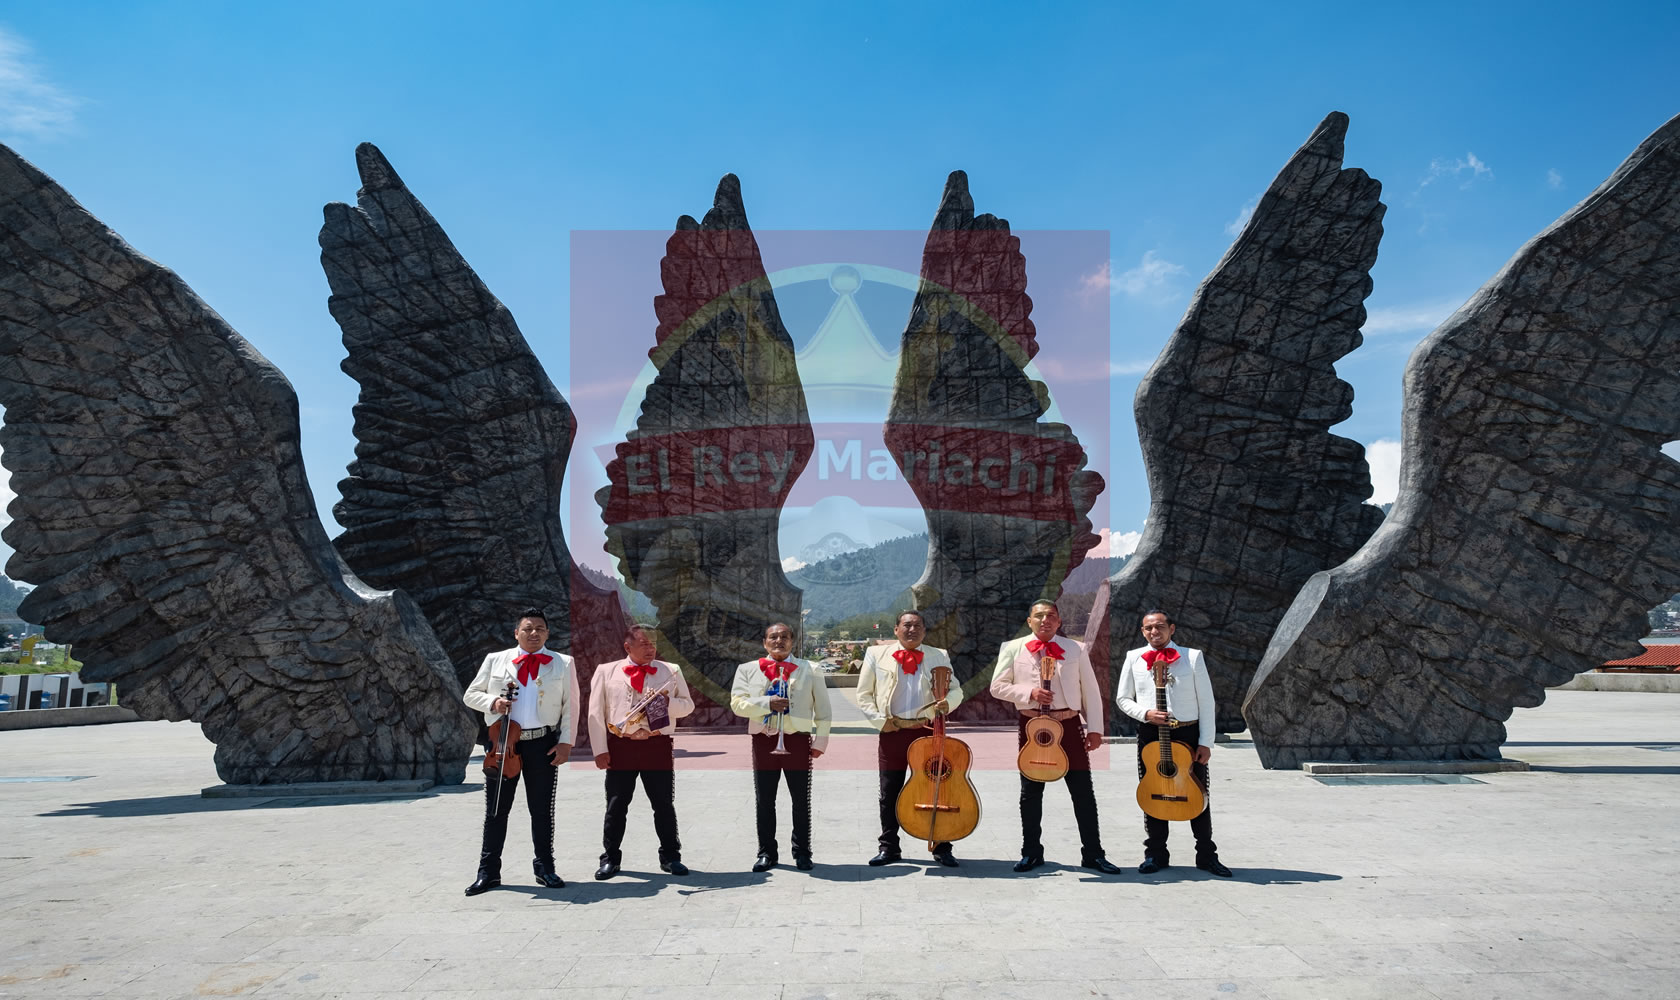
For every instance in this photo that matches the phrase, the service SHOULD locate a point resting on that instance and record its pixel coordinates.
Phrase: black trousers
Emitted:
(768, 770)
(892, 756)
(1080, 790)
(499, 794)
(652, 762)
(1155, 830)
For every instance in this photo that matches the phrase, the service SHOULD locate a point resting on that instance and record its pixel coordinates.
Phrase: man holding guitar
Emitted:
(1188, 713)
(1065, 689)
(895, 690)
(544, 703)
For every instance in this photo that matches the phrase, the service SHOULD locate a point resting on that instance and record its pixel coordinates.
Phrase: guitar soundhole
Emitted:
(1166, 769)
(1042, 738)
(938, 769)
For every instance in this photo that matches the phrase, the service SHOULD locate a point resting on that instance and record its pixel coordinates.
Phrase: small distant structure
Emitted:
(1659, 657)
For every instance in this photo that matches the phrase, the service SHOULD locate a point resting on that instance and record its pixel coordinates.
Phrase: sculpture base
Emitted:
(1413, 767)
(313, 789)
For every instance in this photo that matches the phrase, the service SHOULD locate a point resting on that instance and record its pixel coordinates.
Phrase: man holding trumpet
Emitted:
(785, 702)
(634, 705)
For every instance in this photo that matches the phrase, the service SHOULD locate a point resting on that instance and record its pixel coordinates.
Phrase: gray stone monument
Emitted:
(1537, 519)
(1250, 493)
(1007, 495)
(462, 440)
(163, 514)
(697, 489)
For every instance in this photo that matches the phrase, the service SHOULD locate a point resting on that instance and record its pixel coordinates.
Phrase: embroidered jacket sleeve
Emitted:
(869, 692)
(1204, 699)
(598, 705)
(1077, 663)
(746, 696)
(822, 712)
(1128, 695)
(569, 708)
(478, 696)
(935, 657)
(682, 703)
(1004, 686)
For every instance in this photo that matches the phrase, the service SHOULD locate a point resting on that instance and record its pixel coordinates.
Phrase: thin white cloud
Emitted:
(1128, 367)
(1439, 168)
(1154, 280)
(1384, 458)
(1554, 180)
(1097, 282)
(1672, 449)
(1419, 317)
(30, 105)
(791, 563)
(1235, 226)
(1123, 544)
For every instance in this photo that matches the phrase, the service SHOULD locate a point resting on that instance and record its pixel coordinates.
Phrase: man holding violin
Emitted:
(785, 702)
(544, 706)
(634, 705)
(1072, 698)
(901, 686)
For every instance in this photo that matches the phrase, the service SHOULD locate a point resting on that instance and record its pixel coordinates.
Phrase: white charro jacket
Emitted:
(880, 677)
(808, 708)
(556, 686)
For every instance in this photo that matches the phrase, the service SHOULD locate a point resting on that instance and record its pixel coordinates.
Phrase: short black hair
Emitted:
(639, 627)
(1043, 604)
(532, 613)
(772, 625)
(1158, 611)
(899, 618)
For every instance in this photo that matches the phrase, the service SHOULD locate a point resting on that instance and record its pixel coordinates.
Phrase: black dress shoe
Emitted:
(484, 883)
(1150, 866)
(765, 862)
(676, 868)
(607, 870)
(1028, 862)
(1101, 864)
(802, 863)
(886, 857)
(945, 857)
(1213, 867)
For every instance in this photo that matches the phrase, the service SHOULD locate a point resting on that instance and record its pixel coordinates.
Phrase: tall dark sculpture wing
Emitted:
(461, 439)
(1007, 496)
(163, 513)
(697, 489)
(1250, 493)
(1537, 519)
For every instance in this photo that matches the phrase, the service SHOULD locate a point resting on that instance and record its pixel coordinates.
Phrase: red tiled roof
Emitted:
(1661, 655)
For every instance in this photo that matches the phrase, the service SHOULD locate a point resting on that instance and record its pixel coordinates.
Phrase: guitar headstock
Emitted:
(1046, 668)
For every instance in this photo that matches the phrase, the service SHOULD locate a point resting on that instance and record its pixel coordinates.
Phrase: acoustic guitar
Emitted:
(1042, 757)
(938, 802)
(1167, 790)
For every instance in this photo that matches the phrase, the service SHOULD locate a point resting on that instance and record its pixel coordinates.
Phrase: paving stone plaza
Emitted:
(1555, 882)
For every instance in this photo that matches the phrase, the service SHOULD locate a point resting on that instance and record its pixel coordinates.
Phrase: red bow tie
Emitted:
(1054, 651)
(773, 668)
(529, 664)
(908, 659)
(1160, 657)
(638, 672)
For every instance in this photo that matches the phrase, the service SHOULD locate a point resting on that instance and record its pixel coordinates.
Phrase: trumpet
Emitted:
(638, 710)
(779, 689)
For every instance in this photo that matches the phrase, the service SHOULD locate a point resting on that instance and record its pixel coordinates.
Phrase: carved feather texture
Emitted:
(163, 513)
(1250, 493)
(462, 440)
(697, 488)
(1537, 519)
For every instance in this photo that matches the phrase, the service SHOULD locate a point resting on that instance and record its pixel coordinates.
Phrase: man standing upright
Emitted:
(545, 705)
(634, 705)
(1189, 715)
(896, 692)
(785, 702)
(1074, 700)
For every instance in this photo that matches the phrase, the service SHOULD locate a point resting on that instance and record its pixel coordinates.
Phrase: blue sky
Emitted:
(210, 135)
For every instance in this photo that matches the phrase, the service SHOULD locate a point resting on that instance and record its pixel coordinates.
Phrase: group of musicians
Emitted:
(903, 688)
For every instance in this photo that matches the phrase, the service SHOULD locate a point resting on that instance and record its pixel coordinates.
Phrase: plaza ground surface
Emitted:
(1557, 882)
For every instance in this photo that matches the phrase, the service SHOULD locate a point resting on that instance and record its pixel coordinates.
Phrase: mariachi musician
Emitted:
(545, 705)
(1073, 699)
(634, 705)
(896, 689)
(1189, 716)
(785, 702)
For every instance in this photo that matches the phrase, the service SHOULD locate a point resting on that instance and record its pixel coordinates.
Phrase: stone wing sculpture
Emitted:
(462, 440)
(1007, 496)
(1537, 518)
(1250, 493)
(163, 513)
(697, 489)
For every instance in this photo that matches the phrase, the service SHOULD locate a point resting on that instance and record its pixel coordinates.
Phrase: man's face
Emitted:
(778, 641)
(1044, 621)
(638, 645)
(1156, 631)
(530, 633)
(910, 631)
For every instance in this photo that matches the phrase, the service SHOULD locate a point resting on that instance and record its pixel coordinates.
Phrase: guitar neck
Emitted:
(1165, 729)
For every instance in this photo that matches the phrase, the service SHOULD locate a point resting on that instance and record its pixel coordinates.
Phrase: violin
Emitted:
(938, 802)
(502, 759)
